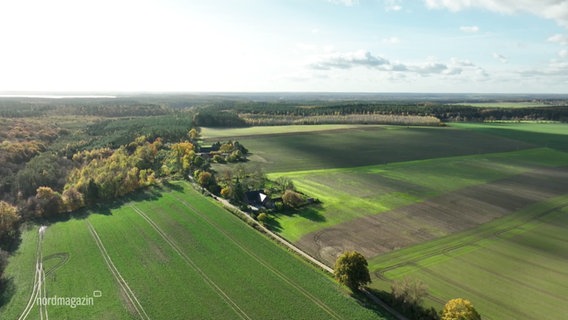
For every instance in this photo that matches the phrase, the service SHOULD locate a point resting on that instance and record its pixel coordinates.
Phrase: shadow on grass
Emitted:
(365, 302)
(167, 185)
(310, 212)
(7, 290)
(106, 207)
(410, 310)
(272, 224)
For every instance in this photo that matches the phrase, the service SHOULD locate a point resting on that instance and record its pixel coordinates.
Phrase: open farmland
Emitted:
(504, 104)
(450, 212)
(365, 145)
(461, 208)
(513, 268)
(171, 255)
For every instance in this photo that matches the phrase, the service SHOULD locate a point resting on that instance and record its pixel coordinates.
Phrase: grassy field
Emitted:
(367, 145)
(174, 255)
(474, 210)
(504, 104)
(211, 134)
(551, 135)
(351, 193)
(512, 268)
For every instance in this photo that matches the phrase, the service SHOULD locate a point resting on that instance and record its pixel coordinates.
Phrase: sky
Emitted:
(483, 46)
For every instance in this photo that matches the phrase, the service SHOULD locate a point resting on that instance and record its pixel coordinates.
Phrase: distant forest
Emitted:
(237, 110)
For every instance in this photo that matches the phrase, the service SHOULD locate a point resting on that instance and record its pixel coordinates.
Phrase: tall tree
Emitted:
(49, 202)
(351, 270)
(8, 224)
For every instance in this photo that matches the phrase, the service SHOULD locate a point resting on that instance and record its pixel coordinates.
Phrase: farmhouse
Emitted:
(258, 199)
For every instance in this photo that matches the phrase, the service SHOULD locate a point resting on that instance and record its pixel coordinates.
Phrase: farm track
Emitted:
(123, 284)
(38, 290)
(280, 275)
(222, 294)
(63, 259)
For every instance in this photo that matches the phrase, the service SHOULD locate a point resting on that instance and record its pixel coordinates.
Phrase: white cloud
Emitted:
(347, 3)
(391, 40)
(393, 5)
(556, 10)
(349, 60)
(469, 29)
(500, 57)
(559, 38)
(563, 53)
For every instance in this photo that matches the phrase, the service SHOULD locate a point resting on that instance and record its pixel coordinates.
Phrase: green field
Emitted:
(351, 193)
(173, 255)
(504, 104)
(474, 210)
(367, 145)
(512, 268)
(551, 135)
(219, 133)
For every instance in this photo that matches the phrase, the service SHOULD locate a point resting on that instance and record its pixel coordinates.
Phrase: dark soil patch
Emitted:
(443, 215)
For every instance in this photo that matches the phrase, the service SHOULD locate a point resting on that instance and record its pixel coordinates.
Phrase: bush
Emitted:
(262, 217)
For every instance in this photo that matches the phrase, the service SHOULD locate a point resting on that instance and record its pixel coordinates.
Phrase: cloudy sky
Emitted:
(504, 46)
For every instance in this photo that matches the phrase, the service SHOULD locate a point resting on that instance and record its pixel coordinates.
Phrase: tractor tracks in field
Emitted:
(38, 290)
(275, 271)
(222, 294)
(118, 277)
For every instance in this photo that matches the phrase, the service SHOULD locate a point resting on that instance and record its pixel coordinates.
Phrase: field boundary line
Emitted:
(240, 312)
(123, 284)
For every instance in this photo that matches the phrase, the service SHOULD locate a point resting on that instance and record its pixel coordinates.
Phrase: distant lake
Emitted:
(50, 96)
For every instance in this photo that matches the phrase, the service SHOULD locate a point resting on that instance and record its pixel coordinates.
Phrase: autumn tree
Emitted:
(292, 199)
(49, 202)
(9, 219)
(72, 199)
(180, 157)
(459, 309)
(193, 135)
(204, 179)
(262, 217)
(227, 192)
(351, 270)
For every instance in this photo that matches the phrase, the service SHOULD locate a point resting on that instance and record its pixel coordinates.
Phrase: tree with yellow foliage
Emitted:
(8, 223)
(459, 309)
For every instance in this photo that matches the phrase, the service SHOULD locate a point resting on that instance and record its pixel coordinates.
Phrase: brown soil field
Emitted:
(439, 216)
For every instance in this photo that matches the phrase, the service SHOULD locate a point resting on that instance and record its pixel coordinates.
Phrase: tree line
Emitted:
(351, 269)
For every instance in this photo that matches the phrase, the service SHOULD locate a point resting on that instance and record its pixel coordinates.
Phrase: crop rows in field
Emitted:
(352, 193)
(363, 146)
(180, 256)
(513, 268)
(436, 217)
(475, 211)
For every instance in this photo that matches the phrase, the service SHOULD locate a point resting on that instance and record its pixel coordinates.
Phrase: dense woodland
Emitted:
(60, 155)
